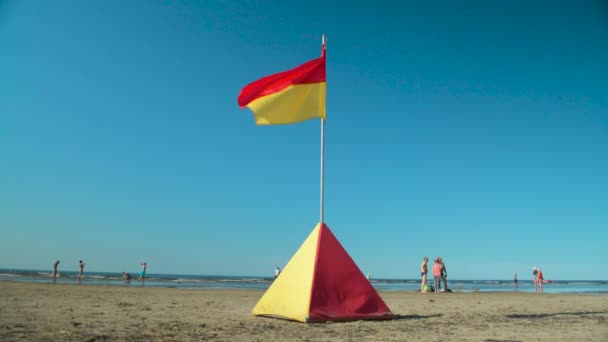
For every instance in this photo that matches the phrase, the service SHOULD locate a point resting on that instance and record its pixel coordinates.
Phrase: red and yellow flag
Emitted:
(288, 97)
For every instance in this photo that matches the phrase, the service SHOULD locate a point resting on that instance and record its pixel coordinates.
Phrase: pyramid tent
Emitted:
(322, 283)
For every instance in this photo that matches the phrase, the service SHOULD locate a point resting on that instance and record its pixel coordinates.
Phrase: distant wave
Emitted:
(212, 280)
(241, 280)
(186, 280)
(255, 280)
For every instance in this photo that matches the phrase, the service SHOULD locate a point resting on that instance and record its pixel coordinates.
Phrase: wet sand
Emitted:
(33, 312)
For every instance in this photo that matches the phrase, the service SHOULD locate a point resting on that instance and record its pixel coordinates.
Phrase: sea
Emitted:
(190, 281)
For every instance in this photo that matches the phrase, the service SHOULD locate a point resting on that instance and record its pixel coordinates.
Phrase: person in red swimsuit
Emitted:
(539, 281)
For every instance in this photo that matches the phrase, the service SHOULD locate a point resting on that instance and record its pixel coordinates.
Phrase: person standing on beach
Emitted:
(81, 272)
(539, 281)
(55, 267)
(534, 277)
(515, 279)
(437, 274)
(142, 275)
(424, 270)
(444, 274)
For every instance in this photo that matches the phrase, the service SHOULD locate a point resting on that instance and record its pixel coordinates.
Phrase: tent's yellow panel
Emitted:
(289, 295)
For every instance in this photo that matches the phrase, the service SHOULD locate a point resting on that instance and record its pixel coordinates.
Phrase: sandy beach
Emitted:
(95, 313)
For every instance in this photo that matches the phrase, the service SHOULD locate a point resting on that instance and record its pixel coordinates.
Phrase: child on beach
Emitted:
(437, 274)
(126, 276)
(424, 270)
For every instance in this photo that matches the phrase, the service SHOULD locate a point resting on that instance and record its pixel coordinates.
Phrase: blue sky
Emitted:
(476, 131)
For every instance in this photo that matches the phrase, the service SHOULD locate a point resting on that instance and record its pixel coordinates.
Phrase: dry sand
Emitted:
(32, 312)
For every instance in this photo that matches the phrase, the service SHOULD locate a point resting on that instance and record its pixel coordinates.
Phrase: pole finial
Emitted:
(323, 42)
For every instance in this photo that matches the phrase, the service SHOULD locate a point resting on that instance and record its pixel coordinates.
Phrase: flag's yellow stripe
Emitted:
(289, 295)
(293, 104)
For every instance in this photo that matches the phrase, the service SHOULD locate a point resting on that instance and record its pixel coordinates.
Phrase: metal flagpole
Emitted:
(322, 162)
(322, 149)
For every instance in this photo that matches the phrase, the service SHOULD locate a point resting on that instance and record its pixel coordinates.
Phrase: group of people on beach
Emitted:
(125, 275)
(538, 279)
(56, 270)
(142, 275)
(440, 274)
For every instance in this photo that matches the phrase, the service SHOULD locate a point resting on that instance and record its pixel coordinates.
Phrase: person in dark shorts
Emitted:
(424, 270)
(444, 275)
(81, 270)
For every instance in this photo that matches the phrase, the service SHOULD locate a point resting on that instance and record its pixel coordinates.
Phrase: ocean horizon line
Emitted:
(262, 283)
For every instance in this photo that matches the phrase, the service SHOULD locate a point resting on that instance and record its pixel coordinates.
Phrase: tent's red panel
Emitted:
(340, 291)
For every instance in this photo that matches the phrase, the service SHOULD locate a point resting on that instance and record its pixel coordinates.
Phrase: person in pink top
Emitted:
(437, 274)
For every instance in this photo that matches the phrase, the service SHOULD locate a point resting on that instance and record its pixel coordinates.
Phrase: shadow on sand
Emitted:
(399, 317)
(545, 315)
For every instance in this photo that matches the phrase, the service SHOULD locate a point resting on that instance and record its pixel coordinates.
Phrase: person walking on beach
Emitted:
(534, 277)
(437, 274)
(424, 270)
(81, 271)
(277, 271)
(55, 267)
(444, 274)
(142, 275)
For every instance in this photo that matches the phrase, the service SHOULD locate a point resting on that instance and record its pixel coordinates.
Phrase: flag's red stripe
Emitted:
(309, 72)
